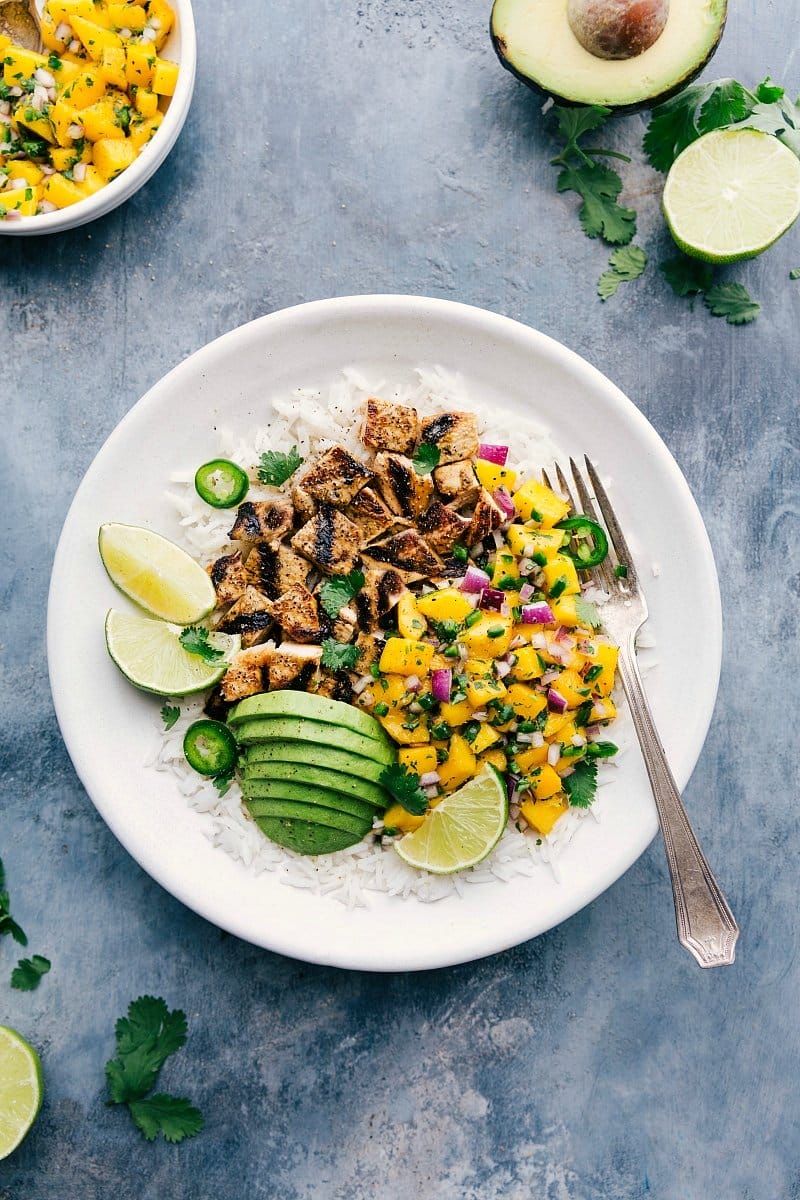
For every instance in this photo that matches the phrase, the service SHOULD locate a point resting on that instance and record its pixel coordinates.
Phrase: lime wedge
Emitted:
(156, 574)
(20, 1089)
(150, 654)
(462, 829)
(731, 194)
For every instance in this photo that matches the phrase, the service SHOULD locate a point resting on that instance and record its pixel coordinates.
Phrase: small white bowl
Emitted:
(180, 47)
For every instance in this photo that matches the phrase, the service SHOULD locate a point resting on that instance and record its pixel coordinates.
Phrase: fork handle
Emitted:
(706, 925)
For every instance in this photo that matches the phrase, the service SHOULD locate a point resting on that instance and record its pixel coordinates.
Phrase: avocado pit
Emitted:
(616, 29)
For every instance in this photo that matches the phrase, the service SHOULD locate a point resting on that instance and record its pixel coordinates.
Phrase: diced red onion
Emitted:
(577, 740)
(474, 580)
(429, 779)
(502, 669)
(493, 454)
(538, 641)
(493, 599)
(414, 707)
(368, 698)
(363, 682)
(63, 31)
(79, 172)
(553, 753)
(44, 77)
(13, 215)
(537, 614)
(17, 185)
(431, 792)
(480, 715)
(537, 738)
(442, 685)
(550, 676)
(504, 501)
(497, 538)
(525, 592)
(413, 683)
(46, 206)
(556, 700)
(524, 738)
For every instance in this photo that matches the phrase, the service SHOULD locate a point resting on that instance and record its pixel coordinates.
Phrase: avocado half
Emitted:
(534, 40)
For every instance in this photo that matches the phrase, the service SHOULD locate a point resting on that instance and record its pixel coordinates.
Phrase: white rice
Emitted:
(313, 420)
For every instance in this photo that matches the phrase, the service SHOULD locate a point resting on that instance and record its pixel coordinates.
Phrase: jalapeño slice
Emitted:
(221, 483)
(581, 529)
(210, 747)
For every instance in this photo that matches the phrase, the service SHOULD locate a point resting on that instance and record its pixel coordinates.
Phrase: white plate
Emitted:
(108, 726)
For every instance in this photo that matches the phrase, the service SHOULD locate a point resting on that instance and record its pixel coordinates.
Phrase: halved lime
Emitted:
(731, 194)
(20, 1089)
(156, 574)
(150, 654)
(462, 829)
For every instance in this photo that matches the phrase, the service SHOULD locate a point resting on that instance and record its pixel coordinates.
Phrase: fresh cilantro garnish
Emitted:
(596, 183)
(587, 613)
(696, 110)
(339, 656)
(275, 467)
(447, 630)
(733, 302)
(27, 973)
(686, 276)
(794, 273)
(194, 640)
(404, 786)
(426, 458)
(223, 781)
(339, 590)
(169, 715)
(581, 785)
(624, 264)
(7, 922)
(145, 1039)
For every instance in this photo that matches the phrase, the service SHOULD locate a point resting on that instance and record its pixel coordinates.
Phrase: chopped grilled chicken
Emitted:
(455, 435)
(407, 493)
(215, 706)
(370, 651)
(381, 591)
(229, 577)
(262, 520)
(442, 527)
(274, 568)
(458, 483)
(335, 477)
(389, 426)
(303, 503)
(336, 686)
(370, 514)
(488, 515)
(329, 541)
(297, 614)
(247, 673)
(408, 552)
(293, 666)
(343, 630)
(250, 615)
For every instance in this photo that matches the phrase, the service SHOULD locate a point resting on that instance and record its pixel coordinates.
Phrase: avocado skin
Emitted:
(298, 752)
(313, 734)
(305, 837)
(288, 703)
(316, 776)
(617, 109)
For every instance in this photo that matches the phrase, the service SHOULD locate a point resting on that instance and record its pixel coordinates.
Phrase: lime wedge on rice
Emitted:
(156, 574)
(731, 194)
(462, 829)
(149, 653)
(20, 1089)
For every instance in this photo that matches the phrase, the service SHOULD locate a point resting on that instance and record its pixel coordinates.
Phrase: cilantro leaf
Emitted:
(767, 92)
(574, 122)
(727, 103)
(7, 922)
(733, 302)
(624, 264)
(600, 215)
(447, 630)
(145, 1039)
(794, 273)
(275, 467)
(28, 972)
(696, 110)
(581, 785)
(686, 276)
(172, 1116)
(426, 458)
(339, 656)
(194, 640)
(404, 786)
(223, 781)
(339, 590)
(587, 613)
(169, 715)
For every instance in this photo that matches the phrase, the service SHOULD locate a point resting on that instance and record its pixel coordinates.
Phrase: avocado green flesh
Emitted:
(305, 775)
(304, 837)
(533, 39)
(313, 733)
(328, 818)
(323, 756)
(323, 799)
(303, 704)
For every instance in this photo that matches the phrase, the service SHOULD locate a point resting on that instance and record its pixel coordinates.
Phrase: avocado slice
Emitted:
(315, 776)
(323, 756)
(534, 39)
(304, 704)
(304, 837)
(313, 734)
(329, 818)
(327, 801)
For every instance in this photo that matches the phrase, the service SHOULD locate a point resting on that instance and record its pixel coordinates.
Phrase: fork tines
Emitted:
(593, 496)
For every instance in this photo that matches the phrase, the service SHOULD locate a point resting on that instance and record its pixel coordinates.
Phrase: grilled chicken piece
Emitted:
(389, 426)
(262, 520)
(303, 503)
(342, 629)
(250, 615)
(293, 666)
(455, 435)
(442, 527)
(335, 477)
(370, 514)
(488, 515)
(381, 591)
(370, 651)
(216, 707)
(336, 686)
(274, 568)
(229, 577)
(247, 673)
(407, 493)
(458, 483)
(408, 552)
(297, 614)
(329, 541)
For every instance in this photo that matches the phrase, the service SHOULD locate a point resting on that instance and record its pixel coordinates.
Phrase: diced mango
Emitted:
(33, 120)
(146, 102)
(493, 476)
(603, 710)
(570, 685)
(485, 737)
(127, 16)
(527, 703)
(505, 567)
(528, 664)
(112, 155)
(525, 541)
(165, 77)
(64, 158)
(403, 656)
(19, 64)
(92, 181)
(483, 688)
(420, 759)
(558, 569)
(495, 757)
(112, 68)
(459, 766)
(397, 817)
(542, 815)
(22, 200)
(456, 714)
(61, 191)
(564, 610)
(94, 37)
(84, 89)
(536, 501)
(545, 782)
(409, 620)
(528, 760)
(160, 11)
(50, 40)
(63, 118)
(490, 637)
(446, 604)
(142, 132)
(29, 171)
(554, 723)
(101, 120)
(604, 655)
(140, 59)
(62, 11)
(396, 723)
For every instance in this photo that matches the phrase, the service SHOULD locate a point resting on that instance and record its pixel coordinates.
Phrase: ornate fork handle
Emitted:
(706, 925)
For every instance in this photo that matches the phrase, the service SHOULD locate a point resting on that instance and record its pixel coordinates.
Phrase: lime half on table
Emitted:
(156, 574)
(731, 194)
(462, 829)
(20, 1089)
(149, 653)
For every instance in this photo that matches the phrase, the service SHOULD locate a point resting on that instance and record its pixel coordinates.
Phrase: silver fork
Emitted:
(706, 925)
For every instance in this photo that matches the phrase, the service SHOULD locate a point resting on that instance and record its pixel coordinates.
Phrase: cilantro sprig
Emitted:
(426, 458)
(339, 656)
(597, 184)
(688, 277)
(339, 590)
(404, 786)
(28, 972)
(7, 923)
(581, 785)
(276, 467)
(626, 263)
(194, 640)
(169, 715)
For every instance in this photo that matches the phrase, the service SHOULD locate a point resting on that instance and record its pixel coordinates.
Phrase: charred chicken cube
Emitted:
(229, 577)
(381, 591)
(247, 675)
(330, 541)
(406, 493)
(458, 483)
(335, 477)
(250, 616)
(293, 666)
(488, 515)
(370, 651)
(389, 426)
(454, 434)
(370, 514)
(262, 520)
(303, 503)
(297, 614)
(274, 568)
(408, 552)
(442, 527)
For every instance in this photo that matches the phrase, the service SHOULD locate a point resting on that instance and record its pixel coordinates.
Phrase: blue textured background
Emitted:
(378, 146)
